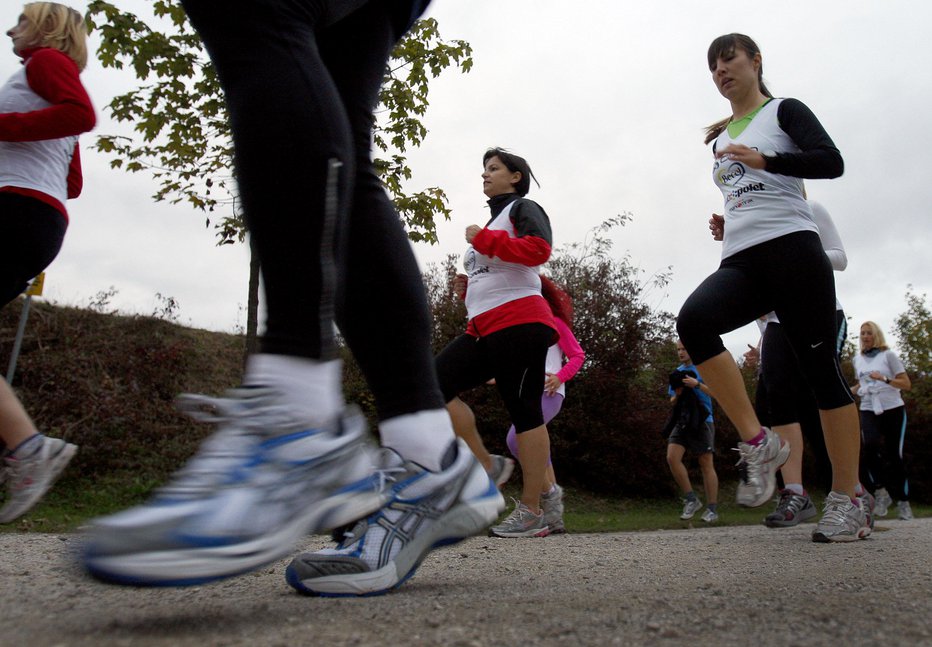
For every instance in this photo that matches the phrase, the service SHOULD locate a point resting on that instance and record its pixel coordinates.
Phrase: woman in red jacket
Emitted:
(510, 327)
(43, 109)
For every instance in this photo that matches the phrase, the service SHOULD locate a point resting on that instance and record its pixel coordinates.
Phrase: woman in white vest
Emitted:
(881, 377)
(509, 330)
(43, 109)
(772, 260)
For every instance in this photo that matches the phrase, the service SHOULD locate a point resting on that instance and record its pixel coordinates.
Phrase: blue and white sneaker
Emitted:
(258, 485)
(427, 510)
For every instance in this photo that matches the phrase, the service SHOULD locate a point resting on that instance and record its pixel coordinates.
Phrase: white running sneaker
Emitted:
(842, 520)
(259, 484)
(690, 508)
(552, 505)
(502, 467)
(757, 466)
(882, 502)
(29, 478)
(904, 511)
(426, 510)
(710, 516)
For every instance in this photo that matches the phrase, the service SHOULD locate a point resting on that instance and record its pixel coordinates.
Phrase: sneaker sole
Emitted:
(197, 565)
(458, 523)
(822, 538)
(57, 465)
(535, 532)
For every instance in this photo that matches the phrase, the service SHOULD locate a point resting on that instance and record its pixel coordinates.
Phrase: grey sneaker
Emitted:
(29, 478)
(709, 516)
(552, 505)
(502, 467)
(758, 465)
(842, 520)
(264, 480)
(791, 510)
(427, 510)
(882, 502)
(690, 507)
(521, 523)
(904, 512)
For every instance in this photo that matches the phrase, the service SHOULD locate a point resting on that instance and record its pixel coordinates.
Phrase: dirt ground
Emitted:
(701, 586)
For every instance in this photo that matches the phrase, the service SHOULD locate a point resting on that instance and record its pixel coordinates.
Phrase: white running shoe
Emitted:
(710, 516)
(882, 502)
(426, 510)
(502, 467)
(259, 484)
(842, 520)
(758, 467)
(904, 511)
(552, 505)
(690, 508)
(29, 478)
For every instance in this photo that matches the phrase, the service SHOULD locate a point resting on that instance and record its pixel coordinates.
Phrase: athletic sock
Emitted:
(712, 506)
(759, 438)
(312, 388)
(423, 437)
(796, 488)
(691, 496)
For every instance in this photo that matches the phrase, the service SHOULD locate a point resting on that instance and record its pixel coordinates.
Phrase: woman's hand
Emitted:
(717, 226)
(459, 285)
(551, 384)
(691, 382)
(742, 154)
(877, 375)
(471, 232)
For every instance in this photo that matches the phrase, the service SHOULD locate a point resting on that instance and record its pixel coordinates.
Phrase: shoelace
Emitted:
(747, 468)
(790, 502)
(835, 512)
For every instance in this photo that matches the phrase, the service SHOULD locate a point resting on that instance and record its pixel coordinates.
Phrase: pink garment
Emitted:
(575, 355)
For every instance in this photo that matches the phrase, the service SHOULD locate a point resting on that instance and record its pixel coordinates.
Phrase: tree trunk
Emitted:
(252, 304)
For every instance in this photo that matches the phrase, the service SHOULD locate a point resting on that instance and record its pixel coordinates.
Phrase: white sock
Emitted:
(314, 388)
(423, 437)
(796, 488)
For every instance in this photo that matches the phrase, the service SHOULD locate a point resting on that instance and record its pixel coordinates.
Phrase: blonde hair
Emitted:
(880, 343)
(54, 25)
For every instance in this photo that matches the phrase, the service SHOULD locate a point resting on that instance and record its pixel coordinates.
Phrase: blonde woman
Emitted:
(881, 378)
(43, 109)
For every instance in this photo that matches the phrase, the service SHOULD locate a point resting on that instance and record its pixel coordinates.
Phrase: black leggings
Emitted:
(516, 357)
(789, 275)
(32, 234)
(301, 90)
(781, 378)
(882, 463)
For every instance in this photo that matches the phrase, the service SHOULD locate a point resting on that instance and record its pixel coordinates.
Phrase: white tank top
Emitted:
(494, 282)
(37, 165)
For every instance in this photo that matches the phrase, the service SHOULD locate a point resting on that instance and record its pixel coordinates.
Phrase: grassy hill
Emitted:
(107, 382)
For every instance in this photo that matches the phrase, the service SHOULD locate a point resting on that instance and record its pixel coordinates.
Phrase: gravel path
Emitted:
(702, 586)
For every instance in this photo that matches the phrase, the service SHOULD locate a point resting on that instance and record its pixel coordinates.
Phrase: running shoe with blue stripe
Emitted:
(258, 485)
(426, 510)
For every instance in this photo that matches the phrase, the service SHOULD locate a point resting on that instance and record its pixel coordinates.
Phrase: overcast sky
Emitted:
(607, 100)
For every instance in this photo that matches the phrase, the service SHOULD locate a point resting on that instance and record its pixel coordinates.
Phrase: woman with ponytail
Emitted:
(772, 260)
